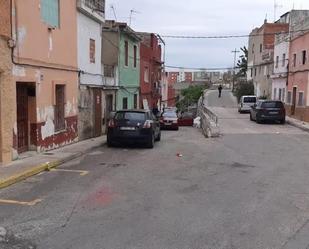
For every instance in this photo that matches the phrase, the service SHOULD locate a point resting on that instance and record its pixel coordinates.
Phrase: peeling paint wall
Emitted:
(86, 113)
(38, 44)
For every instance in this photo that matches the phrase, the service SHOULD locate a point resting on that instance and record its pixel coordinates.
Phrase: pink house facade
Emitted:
(45, 75)
(297, 100)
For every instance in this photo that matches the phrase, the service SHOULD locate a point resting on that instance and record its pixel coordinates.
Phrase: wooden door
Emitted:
(22, 118)
(97, 96)
(294, 100)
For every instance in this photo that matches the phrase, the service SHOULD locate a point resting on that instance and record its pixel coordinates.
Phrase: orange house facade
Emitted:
(298, 96)
(45, 74)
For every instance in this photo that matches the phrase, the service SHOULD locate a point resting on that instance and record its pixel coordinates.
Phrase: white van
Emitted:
(246, 102)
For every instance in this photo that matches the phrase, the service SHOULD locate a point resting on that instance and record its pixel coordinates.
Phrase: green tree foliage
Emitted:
(242, 63)
(244, 88)
(189, 97)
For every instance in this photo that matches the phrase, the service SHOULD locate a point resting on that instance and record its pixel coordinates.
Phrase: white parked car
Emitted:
(246, 102)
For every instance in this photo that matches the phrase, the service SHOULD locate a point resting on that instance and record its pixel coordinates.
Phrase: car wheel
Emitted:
(258, 120)
(282, 121)
(109, 143)
(151, 142)
(159, 137)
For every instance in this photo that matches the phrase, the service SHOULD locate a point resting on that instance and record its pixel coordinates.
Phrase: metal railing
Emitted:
(95, 5)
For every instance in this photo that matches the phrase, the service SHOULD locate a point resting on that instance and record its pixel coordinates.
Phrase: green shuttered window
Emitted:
(50, 12)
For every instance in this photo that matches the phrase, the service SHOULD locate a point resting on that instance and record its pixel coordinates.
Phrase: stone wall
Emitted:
(7, 101)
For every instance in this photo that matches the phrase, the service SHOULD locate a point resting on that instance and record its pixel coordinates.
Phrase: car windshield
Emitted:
(272, 104)
(169, 115)
(130, 116)
(249, 99)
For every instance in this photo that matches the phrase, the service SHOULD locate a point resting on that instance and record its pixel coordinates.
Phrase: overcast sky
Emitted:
(200, 18)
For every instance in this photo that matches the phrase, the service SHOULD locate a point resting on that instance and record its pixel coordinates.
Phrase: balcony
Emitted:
(92, 8)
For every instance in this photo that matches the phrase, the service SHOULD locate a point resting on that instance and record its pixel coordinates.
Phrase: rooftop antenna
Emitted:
(132, 11)
(276, 7)
(114, 12)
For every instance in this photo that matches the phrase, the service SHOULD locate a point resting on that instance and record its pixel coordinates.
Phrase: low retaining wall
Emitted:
(209, 121)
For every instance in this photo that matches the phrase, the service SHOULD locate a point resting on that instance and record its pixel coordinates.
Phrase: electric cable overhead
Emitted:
(232, 36)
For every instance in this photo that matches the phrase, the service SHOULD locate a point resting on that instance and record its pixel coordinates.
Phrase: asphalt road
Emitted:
(246, 189)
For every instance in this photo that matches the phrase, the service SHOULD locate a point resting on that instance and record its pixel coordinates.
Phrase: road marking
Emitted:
(81, 172)
(23, 203)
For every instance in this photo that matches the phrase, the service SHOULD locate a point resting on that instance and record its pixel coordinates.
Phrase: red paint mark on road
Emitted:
(101, 196)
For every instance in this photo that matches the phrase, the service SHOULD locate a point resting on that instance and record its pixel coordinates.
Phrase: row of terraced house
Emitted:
(278, 62)
(64, 68)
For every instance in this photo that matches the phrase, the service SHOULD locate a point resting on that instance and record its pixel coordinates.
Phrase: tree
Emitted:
(242, 63)
(189, 97)
(245, 88)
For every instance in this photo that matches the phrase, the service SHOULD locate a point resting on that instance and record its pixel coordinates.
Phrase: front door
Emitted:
(97, 96)
(22, 118)
(294, 101)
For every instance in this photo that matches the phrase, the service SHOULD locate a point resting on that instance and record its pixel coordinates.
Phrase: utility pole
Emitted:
(234, 52)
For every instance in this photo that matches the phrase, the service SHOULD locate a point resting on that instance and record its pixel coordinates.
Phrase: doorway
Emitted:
(22, 118)
(293, 107)
(97, 96)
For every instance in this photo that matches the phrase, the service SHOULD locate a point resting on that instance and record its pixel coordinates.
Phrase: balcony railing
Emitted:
(95, 5)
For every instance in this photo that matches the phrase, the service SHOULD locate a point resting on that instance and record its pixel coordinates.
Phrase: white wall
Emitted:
(280, 73)
(280, 49)
(89, 29)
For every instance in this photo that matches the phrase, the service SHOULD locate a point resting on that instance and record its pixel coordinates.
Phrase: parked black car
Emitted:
(268, 110)
(133, 126)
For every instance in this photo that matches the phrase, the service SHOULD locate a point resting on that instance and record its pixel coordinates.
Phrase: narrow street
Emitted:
(247, 189)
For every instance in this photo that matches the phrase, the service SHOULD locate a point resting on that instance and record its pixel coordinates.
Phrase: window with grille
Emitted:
(50, 12)
(146, 74)
(92, 51)
(277, 61)
(289, 97)
(300, 99)
(294, 60)
(275, 93)
(59, 107)
(304, 57)
(283, 60)
(283, 94)
(135, 101)
(125, 103)
(135, 56)
(126, 53)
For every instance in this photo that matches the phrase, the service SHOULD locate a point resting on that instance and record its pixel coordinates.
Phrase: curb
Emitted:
(297, 125)
(43, 167)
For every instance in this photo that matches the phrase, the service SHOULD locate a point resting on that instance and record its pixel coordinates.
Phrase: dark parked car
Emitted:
(169, 120)
(133, 126)
(270, 110)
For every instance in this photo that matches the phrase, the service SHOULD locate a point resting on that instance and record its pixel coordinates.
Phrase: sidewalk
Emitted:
(33, 163)
(297, 123)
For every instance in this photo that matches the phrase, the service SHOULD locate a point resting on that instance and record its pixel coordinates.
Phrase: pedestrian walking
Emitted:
(220, 90)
